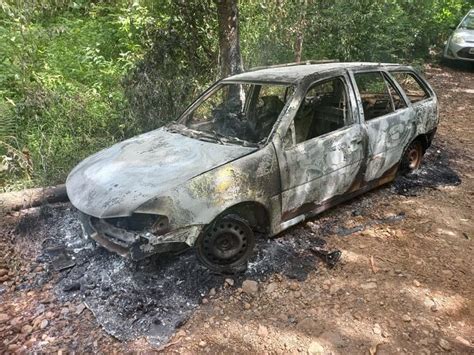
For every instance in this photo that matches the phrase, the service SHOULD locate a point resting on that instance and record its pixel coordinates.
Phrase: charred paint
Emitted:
(190, 182)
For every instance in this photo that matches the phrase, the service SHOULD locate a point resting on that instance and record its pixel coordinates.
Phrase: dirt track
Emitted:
(404, 284)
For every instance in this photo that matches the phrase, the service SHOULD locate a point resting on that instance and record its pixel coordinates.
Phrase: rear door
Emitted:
(323, 149)
(389, 120)
(422, 98)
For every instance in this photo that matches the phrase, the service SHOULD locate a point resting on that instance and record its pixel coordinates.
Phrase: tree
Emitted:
(230, 59)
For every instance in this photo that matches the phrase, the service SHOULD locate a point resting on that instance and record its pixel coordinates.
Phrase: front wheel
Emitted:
(226, 245)
(412, 158)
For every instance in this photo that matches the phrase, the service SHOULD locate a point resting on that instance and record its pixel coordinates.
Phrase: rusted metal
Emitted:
(193, 177)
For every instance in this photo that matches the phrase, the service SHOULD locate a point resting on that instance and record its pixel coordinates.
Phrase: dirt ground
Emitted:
(403, 285)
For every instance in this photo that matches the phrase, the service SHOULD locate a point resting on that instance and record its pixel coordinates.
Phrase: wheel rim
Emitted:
(225, 243)
(414, 155)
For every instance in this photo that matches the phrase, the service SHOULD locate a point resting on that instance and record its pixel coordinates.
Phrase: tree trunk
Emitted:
(14, 201)
(230, 58)
(300, 28)
(298, 47)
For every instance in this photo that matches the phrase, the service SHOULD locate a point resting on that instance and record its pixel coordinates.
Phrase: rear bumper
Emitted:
(135, 245)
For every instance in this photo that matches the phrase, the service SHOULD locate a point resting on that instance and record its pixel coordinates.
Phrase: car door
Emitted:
(389, 121)
(323, 149)
(422, 98)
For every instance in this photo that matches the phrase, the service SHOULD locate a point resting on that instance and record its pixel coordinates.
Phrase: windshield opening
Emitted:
(468, 22)
(237, 113)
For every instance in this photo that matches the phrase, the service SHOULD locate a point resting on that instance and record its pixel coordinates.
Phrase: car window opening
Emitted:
(323, 110)
(412, 87)
(238, 113)
(379, 96)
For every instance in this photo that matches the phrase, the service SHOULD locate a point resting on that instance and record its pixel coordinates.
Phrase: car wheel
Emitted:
(226, 245)
(412, 158)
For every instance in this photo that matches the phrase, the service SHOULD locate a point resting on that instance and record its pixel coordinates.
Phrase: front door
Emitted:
(323, 149)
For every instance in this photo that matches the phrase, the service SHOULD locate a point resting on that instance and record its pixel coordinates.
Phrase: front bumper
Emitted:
(136, 245)
(463, 51)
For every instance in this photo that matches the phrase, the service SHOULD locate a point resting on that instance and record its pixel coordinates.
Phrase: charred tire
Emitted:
(412, 157)
(226, 245)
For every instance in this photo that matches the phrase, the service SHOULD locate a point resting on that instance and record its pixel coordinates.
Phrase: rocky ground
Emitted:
(404, 283)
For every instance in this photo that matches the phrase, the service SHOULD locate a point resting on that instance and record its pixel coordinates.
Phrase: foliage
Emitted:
(77, 76)
(364, 30)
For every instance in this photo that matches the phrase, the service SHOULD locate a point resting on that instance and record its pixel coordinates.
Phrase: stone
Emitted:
(44, 323)
(202, 344)
(271, 287)
(294, 286)
(334, 289)
(444, 344)
(13, 347)
(434, 308)
(424, 342)
(212, 292)
(262, 331)
(247, 305)
(16, 322)
(416, 283)
(463, 341)
(368, 286)
(4, 318)
(310, 326)
(377, 329)
(80, 308)
(229, 282)
(315, 348)
(181, 333)
(26, 329)
(406, 318)
(3, 272)
(205, 301)
(250, 287)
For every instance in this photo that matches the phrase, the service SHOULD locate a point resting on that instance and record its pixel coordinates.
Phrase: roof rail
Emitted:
(305, 62)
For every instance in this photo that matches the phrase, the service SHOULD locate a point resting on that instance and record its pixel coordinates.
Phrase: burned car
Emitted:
(257, 153)
(460, 45)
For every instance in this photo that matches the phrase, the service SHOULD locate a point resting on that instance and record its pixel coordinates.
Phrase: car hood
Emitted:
(117, 180)
(468, 35)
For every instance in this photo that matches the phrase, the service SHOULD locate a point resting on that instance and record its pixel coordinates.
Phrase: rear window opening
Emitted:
(412, 86)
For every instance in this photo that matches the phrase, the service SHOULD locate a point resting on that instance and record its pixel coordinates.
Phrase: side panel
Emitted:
(321, 168)
(388, 137)
(253, 178)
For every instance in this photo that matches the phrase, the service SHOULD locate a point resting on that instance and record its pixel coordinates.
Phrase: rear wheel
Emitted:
(226, 245)
(412, 158)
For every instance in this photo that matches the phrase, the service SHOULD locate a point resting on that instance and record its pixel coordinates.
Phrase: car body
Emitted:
(460, 45)
(313, 136)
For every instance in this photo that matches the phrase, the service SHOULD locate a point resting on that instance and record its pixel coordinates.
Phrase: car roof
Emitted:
(292, 73)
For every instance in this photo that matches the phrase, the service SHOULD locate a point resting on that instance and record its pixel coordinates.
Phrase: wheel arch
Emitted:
(254, 213)
(425, 140)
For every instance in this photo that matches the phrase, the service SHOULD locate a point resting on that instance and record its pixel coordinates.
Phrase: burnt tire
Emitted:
(412, 157)
(226, 245)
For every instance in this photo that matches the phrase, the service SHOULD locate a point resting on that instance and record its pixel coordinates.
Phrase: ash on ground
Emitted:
(153, 297)
(434, 172)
